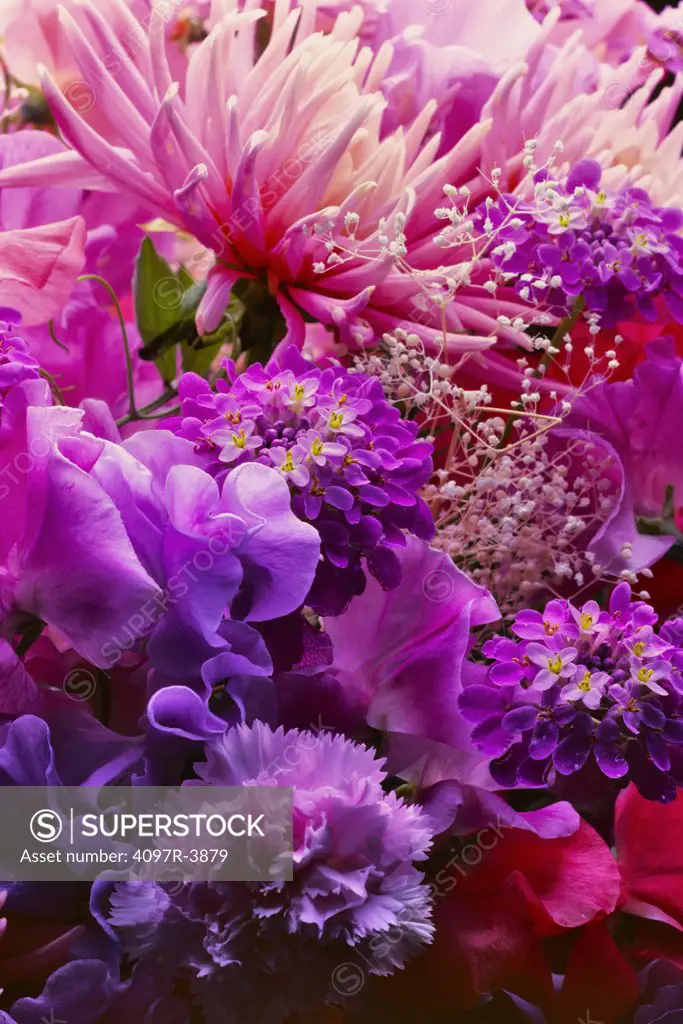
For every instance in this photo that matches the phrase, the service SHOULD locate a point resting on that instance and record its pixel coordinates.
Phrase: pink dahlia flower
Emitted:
(260, 156)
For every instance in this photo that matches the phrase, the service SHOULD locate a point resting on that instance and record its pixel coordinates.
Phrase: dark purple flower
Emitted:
(575, 238)
(615, 694)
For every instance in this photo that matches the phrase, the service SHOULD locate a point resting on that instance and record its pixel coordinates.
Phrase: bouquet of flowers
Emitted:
(341, 397)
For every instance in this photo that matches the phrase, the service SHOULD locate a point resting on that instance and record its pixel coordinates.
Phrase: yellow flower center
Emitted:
(551, 628)
(585, 683)
(555, 665)
(233, 417)
(644, 675)
(638, 649)
(317, 446)
(564, 220)
(336, 420)
(601, 199)
(239, 439)
(586, 621)
(299, 392)
(288, 464)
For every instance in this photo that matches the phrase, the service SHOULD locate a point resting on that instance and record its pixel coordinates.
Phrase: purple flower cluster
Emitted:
(577, 682)
(355, 884)
(354, 467)
(615, 249)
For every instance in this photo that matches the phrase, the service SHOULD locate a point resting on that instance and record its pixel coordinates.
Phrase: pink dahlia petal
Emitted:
(215, 299)
(291, 144)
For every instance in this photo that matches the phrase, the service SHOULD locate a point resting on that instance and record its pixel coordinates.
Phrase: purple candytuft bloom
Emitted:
(577, 683)
(575, 238)
(354, 467)
(355, 883)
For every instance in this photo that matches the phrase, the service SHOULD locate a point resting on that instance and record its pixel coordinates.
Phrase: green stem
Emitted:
(51, 328)
(148, 411)
(56, 390)
(129, 362)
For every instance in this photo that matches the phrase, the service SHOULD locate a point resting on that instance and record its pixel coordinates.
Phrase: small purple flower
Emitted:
(554, 665)
(319, 450)
(587, 687)
(532, 625)
(290, 462)
(589, 618)
(234, 442)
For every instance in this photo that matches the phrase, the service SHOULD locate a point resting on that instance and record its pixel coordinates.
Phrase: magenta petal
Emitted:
(506, 673)
(81, 573)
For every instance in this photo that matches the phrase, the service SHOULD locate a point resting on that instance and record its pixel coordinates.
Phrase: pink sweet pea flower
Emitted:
(39, 267)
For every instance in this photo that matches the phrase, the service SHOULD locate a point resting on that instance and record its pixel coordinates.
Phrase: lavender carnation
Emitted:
(355, 883)
(353, 465)
(577, 683)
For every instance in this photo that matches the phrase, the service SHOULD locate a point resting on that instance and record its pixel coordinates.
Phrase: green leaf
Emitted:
(165, 307)
(156, 290)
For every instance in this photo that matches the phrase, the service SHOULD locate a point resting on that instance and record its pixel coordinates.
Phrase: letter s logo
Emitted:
(46, 826)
